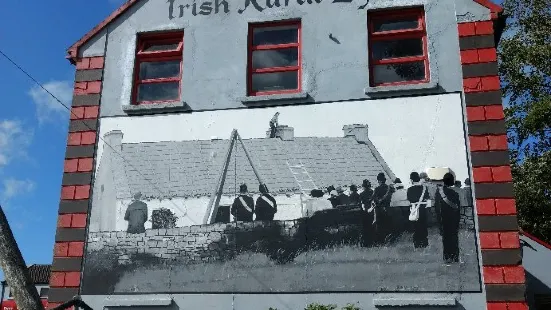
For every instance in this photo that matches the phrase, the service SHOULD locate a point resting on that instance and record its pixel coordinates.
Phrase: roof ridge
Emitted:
(203, 140)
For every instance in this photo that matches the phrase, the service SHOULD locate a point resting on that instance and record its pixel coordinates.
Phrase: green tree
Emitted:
(533, 194)
(525, 70)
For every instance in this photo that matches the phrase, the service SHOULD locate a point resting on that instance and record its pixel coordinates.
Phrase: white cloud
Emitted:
(13, 187)
(14, 141)
(47, 107)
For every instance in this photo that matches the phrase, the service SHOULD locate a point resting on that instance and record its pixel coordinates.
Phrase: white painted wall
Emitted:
(191, 211)
(536, 259)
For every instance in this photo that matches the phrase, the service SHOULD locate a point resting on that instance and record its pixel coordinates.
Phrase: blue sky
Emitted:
(33, 127)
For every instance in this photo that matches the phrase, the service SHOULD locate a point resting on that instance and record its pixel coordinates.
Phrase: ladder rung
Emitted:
(300, 169)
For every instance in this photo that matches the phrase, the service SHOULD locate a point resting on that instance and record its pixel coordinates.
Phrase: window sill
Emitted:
(434, 302)
(276, 97)
(400, 88)
(155, 107)
(141, 301)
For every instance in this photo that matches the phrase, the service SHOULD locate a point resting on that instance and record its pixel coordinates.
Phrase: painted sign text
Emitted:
(179, 10)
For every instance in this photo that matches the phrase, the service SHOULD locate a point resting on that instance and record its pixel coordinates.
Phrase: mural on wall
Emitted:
(335, 197)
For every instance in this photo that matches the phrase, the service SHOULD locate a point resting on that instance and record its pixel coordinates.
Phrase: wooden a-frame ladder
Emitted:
(212, 207)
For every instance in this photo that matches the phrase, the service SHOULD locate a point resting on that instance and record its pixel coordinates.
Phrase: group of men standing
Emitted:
(244, 207)
(390, 210)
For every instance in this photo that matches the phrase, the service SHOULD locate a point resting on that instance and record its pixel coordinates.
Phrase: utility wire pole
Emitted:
(15, 270)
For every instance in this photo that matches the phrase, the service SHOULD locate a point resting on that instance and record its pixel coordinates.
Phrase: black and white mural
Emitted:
(365, 196)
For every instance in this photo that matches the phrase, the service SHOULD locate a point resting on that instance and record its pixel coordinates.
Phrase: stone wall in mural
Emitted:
(339, 197)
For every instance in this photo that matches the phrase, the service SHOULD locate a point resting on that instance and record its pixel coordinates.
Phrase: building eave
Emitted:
(535, 239)
(74, 49)
(495, 10)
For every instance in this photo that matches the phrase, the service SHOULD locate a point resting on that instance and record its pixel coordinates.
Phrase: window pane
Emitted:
(44, 292)
(275, 58)
(411, 22)
(275, 81)
(397, 48)
(159, 69)
(158, 91)
(160, 47)
(402, 72)
(275, 35)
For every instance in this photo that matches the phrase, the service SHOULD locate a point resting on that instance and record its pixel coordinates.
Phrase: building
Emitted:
(535, 257)
(40, 276)
(312, 95)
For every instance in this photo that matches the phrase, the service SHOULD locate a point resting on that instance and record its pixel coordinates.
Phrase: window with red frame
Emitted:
(398, 48)
(274, 58)
(158, 70)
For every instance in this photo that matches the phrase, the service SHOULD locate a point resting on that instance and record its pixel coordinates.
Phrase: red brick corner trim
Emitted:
(77, 179)
(503, 274)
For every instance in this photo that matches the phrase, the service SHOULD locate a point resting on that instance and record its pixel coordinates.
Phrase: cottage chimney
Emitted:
(357, 131)
(285, 133)
(114, 139)
(108, 184)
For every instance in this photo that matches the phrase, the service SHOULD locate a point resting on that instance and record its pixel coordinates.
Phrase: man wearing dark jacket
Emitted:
(136, 215)
(383, 192)
(266, 206)
(354, 196)
(242, 208)
(382, 196)
(366, 197)
(342, 198)
(418, 194)
(448, 213)
(332, 196)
